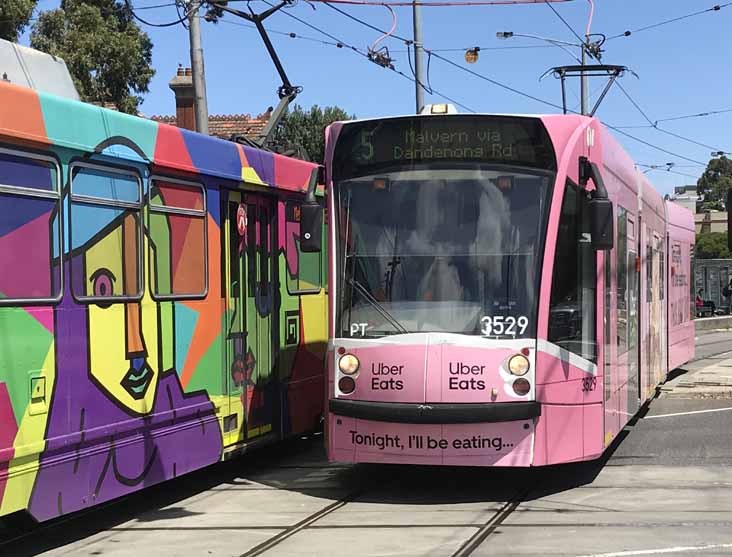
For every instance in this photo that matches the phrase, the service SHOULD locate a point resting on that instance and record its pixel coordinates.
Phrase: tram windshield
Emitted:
(442, 250)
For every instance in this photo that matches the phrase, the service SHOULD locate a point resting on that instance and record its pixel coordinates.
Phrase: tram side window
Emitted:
(649, 266)
(622, 280)
(29, 228)
(105, 233)
(572, 307)
(177, 247)
(304, 270)
(661, 267)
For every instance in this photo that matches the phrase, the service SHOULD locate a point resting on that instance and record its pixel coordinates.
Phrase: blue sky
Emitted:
(683, 67)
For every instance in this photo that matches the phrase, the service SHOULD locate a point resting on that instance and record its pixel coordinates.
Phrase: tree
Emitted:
(14, 16)
(107, 54)
(307, 129)
(712, 245)
(715, 182)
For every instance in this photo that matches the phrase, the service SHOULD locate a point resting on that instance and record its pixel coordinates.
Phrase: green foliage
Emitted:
(14, 16)
(712, 245)
(307, 129)
(109, 57)
(715, 182)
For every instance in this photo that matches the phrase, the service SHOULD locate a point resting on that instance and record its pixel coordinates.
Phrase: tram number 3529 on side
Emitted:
(505, 326)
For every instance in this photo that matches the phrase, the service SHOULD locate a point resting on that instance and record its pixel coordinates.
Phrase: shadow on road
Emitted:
(383, 484)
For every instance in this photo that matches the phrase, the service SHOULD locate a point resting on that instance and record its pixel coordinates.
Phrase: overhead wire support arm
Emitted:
(596, 70)
(287, 91)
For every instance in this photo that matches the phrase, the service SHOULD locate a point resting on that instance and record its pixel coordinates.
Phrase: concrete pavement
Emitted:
(710, 376)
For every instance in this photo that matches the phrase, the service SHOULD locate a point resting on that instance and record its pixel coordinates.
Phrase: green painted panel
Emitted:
(24, 345)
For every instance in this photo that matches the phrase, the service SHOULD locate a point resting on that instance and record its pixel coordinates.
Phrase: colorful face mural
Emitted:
(113, 333)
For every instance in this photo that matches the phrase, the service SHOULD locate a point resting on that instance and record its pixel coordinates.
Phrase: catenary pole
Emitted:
(418, 67)
(199, 77)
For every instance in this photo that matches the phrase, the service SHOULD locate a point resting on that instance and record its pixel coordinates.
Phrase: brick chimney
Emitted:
(182, 86)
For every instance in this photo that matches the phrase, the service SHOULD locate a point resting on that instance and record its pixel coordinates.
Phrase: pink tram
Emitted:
(504, 290)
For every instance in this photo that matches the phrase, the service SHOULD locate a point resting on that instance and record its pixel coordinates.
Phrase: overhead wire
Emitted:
(490, 80)
(715, 8)
(581, 40)
(343, 44)
(365, 55)
(179, 21)
(435, 3)
(654, 124)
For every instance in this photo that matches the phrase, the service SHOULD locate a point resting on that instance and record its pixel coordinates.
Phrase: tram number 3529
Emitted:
(505, 326)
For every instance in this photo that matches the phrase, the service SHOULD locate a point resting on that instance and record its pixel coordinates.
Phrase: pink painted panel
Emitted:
(577, 391)
(559, 434)
(390, 373)
(469, 374)
(501, 444)
(593, 433)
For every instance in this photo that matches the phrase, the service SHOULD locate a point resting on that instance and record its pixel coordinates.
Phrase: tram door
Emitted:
(249, 351)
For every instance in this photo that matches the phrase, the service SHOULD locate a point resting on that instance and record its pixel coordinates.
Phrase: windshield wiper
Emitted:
(377, 306)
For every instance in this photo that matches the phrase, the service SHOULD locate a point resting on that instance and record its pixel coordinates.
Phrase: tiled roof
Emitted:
(227, 125)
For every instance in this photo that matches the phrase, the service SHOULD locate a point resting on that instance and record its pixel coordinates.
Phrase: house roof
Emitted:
(225, 126)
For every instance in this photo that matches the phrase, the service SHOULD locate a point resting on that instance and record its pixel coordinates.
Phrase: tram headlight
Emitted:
(348, 364)
(518, 365)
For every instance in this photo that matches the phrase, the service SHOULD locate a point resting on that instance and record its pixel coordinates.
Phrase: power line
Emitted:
(714, 8)
(652, 146)
(343, 44)
(699, 115)
(180, 20)
(365, 55)
(448, 61)
(581, 40)
(435, 3)
(494, 82)
(654, 124)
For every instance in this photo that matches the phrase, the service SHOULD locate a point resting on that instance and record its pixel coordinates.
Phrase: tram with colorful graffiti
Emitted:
(156, 311)
(504, 290)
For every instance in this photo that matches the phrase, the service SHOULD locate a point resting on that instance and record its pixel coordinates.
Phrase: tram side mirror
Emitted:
(311, 227)
(601, 208)
(603, 232)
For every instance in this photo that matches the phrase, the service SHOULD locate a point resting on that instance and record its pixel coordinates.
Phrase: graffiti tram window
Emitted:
(303, 269)
(29, 228)
(177, 239)
(105, 233)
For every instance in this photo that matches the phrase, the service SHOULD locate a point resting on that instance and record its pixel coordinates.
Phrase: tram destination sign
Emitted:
(365, 147)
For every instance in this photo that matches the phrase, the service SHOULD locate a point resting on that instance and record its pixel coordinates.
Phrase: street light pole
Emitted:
(418, 68)
(200, 103)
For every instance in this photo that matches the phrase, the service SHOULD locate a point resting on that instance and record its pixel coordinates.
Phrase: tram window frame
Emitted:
(585, 269)
(295, 280)
(622, 291)
(661, 274)
(201, 214)
(56, 282)
(649, 265)
(97, 201)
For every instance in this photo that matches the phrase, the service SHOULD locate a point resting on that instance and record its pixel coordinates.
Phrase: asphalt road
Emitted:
(664, 488)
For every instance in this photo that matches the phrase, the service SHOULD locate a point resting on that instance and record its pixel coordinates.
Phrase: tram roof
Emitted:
(49, 120)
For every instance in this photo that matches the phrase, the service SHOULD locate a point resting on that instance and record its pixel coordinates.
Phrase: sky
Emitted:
(682, 68)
